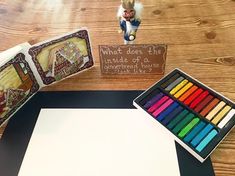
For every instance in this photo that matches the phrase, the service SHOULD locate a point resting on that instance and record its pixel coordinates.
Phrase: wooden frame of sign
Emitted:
(133, 59)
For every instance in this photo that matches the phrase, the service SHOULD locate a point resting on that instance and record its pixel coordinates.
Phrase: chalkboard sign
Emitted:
(133, 59)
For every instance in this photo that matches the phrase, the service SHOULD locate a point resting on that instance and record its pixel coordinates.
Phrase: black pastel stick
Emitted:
(173, 78)
(173, 84)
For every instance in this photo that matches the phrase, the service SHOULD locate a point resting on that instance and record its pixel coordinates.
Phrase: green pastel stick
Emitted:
(188, 127)
(178, 118)
(182, 123)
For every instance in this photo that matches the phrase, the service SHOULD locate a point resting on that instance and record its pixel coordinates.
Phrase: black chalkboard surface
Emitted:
(18, 132)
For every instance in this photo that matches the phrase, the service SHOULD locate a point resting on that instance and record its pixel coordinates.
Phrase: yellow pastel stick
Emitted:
(179, 86)
(181, 91)
(221, 114)
(215, 110)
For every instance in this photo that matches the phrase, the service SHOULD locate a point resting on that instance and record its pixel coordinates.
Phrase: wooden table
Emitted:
(200, 36)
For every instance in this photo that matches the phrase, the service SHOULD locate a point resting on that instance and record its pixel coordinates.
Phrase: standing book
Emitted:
(25, 69)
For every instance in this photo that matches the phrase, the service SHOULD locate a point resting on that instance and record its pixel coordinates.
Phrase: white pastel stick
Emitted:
(226, 118)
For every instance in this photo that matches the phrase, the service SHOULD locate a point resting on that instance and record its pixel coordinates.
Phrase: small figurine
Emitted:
(129, 14)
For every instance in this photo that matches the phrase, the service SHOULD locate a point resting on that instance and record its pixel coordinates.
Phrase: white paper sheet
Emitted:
(98, 142)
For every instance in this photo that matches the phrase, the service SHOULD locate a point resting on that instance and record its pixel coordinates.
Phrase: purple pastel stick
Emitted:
(158, 103)
(153, 100)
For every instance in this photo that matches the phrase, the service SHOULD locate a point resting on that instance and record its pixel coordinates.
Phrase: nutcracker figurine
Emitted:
(129, 14)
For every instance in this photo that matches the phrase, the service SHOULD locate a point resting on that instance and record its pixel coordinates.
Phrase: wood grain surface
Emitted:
(200, 36)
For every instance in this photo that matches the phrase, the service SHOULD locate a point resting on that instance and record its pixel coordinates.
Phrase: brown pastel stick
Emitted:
(209, 107)
(201, 105)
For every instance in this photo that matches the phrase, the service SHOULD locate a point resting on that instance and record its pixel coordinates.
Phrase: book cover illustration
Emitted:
(59, 58)
(17, 84)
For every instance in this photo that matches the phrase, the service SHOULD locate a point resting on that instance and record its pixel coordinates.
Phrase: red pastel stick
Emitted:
(158, 103)
(199, 99)
(193, 96)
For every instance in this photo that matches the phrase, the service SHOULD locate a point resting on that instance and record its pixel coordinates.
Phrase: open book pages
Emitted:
(24, 69)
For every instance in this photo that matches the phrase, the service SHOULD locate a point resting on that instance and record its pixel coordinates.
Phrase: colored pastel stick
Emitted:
(173, 114)
(179, 86)
(199, 99)
(178, 118)
(188, 127)
(184, 89)
(172, 79)
(221, 114)
(153, 100)
(182, 123)
(209, 107)
(162, 107)
(187, 93)
(167, 111)
(201, 135)
(173, 84)
(225, 120)
(193, 96)
(194, 131)
(202, 104)
(206, 140)
(158, 103)
(215, 110)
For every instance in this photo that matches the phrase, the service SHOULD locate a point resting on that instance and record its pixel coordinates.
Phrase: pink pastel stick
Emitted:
(158, 103)
(163, 107)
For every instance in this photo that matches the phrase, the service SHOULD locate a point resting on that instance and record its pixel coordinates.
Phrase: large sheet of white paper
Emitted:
(98, 142)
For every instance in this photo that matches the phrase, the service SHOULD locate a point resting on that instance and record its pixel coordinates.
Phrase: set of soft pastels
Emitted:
(200, 100)
(198, 116)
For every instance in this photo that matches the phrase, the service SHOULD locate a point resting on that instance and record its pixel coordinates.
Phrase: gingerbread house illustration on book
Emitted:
(9, 98)
(64, 60)
(16, 86)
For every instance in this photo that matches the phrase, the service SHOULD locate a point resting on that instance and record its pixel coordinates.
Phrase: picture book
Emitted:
(25, 69)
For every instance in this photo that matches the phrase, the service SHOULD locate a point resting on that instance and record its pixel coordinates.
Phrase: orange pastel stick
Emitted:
(189, 92)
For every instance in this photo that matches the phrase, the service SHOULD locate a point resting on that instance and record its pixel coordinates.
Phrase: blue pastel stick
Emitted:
(206, 140)
(167, 111)
(194, 131)
(153, 100)
(170, 116)
(201, 135)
